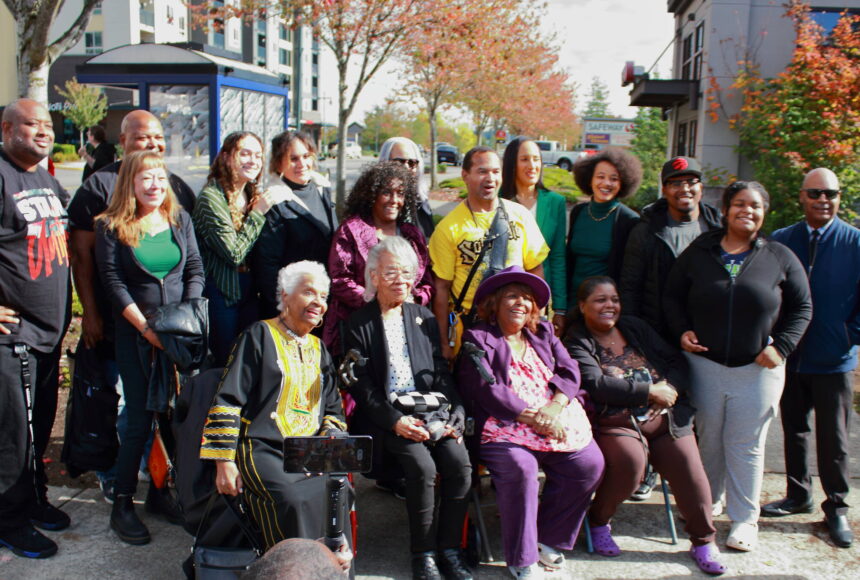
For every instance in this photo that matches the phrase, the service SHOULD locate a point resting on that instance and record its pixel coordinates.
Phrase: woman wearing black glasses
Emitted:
(406, 152)
(740, 305)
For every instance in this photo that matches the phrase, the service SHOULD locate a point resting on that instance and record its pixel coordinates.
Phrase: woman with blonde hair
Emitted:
(147, 257)
(228, 217)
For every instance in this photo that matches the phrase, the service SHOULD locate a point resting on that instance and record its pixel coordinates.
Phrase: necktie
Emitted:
(813, 248)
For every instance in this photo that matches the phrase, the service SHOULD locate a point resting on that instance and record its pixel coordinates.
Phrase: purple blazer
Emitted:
(346, 261)
(484, 400)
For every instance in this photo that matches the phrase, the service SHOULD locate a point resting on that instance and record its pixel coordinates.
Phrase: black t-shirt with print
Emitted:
(34, 256)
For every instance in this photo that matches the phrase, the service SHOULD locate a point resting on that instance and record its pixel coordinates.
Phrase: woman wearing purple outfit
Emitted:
(523, 390)
(378, 206)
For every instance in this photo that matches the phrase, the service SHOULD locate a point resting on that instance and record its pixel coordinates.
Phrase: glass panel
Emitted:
(184, 114)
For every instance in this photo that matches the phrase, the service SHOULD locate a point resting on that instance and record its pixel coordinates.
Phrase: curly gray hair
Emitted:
(394, 246)
(290, 276)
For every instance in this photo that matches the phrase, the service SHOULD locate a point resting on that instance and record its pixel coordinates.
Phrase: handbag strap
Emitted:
(489, 236)
(22, 352)
(238, 510)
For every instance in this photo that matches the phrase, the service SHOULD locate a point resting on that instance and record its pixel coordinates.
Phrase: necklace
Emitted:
(474, 219)
(591, 215)
(518, 346)
(302, 340)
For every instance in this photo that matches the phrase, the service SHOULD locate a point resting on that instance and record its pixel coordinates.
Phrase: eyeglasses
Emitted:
(408, 274)
(679, 183)
(410, 163)
(817, 193)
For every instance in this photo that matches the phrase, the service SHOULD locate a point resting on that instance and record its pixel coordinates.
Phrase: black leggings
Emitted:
(421, 462)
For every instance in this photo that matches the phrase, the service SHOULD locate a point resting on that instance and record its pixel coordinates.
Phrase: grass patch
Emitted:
(561, 181)
(454, 183)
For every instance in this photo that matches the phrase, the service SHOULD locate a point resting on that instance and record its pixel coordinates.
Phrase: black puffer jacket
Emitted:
(610, 394)
(737, 318)
(648, 258)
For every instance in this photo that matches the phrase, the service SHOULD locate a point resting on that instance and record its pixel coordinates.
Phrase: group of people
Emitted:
(382, 323)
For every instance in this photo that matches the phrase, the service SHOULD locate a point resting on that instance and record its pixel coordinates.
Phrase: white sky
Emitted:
(596, 37)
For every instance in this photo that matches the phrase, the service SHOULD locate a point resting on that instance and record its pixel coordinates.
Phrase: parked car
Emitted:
(353, 150)
(551, 154)
(447, 153)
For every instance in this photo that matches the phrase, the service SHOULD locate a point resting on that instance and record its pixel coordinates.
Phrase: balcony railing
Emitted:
(147, 17)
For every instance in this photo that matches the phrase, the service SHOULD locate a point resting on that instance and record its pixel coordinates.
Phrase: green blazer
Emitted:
(551, 218)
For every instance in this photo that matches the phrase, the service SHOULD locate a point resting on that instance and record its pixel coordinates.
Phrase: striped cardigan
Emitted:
(222, 247)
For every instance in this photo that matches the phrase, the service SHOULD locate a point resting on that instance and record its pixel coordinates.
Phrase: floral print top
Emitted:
(530, 382)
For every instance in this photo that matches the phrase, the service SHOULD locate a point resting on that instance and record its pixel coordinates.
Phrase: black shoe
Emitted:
(424, 566)
(28, 542)
(126, 524)
(452, 565)
(162, 502)
(786, 507)
(840, 531)
(395, 486)
(643, 492)
(48, 517)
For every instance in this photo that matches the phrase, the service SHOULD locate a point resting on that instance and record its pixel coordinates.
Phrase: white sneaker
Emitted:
(716, 509)
(743, 537)
(533, 572)
(550, 557)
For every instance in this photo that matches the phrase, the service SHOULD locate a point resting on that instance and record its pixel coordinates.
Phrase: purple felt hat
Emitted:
(514, 275)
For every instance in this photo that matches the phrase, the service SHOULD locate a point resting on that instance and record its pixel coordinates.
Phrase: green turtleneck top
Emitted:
(592, 242)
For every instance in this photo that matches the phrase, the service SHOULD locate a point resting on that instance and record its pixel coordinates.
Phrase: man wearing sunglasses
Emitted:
(665, 230)
(820, 372)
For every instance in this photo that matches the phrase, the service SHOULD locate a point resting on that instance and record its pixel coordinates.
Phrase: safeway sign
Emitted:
(600, 133)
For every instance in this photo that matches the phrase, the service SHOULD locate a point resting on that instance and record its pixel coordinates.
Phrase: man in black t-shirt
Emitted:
(34, 315)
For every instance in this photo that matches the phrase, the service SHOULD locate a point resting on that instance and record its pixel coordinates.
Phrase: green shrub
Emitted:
(65, 148)
(561, 181)
(454, 183)
(441, 168)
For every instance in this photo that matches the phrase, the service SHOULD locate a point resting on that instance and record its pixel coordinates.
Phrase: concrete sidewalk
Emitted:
(794, 547)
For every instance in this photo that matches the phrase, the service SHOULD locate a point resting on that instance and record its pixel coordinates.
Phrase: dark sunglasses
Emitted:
(410, 163)
(817, 193)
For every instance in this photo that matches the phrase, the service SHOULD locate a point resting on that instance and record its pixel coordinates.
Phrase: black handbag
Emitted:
(188, 318)
(218, 563)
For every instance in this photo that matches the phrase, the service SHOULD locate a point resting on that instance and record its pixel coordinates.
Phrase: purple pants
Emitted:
(571, 479)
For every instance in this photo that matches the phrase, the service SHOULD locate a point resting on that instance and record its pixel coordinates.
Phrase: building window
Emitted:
(681, 140)
(169, 14)
(315, 105)
(182, 22)
(827, 18)
(698, 49)
(315, 58)
(261, 49)
(285, 33)
(687, 57)
(691, 54)
(285, 57)
(93, 42)
(691, 141)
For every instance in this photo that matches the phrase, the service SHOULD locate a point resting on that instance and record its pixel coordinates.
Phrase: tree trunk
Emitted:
(32, 81)
(434, 163)
(342, 116)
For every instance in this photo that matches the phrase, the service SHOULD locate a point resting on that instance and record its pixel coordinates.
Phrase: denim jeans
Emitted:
(226, 322)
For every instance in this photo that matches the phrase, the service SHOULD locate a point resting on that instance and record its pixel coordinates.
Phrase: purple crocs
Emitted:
(707, 558)
(601, 539)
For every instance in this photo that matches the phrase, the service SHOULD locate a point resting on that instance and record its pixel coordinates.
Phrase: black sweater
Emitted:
(128, 282)
(735, 319)
(611, 394)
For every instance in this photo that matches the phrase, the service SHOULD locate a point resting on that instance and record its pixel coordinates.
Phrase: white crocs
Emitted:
(550, 557)
(533, 572)
(743, 537)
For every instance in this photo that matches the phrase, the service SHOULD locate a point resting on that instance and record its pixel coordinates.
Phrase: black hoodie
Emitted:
(649, 257)
(737, 318)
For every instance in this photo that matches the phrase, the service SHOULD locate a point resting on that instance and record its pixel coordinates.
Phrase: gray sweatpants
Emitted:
(734, 408)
